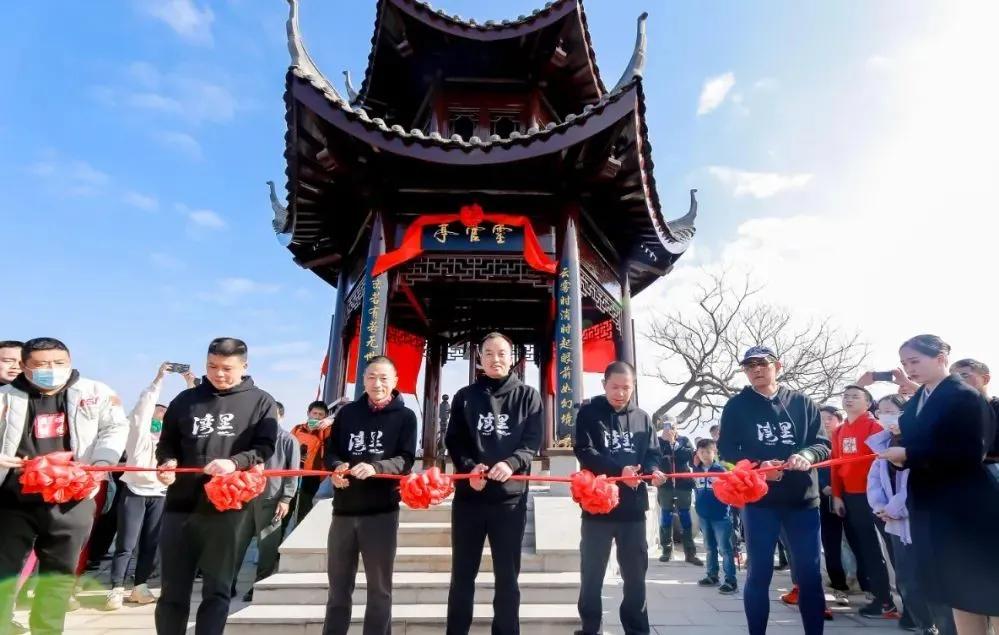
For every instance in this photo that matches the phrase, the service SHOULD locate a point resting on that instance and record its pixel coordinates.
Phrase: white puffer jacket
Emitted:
(98, 425)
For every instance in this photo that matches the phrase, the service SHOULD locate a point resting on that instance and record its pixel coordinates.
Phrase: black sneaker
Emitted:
(694, 560)
(248, 597)
(666, 557)
(728, 588)
(708, 581)
(879, 610)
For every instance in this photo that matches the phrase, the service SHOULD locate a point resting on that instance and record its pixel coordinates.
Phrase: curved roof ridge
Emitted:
(457, 141)
(430, 16)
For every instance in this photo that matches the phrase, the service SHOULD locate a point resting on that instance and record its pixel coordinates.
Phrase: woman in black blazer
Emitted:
(953, 496)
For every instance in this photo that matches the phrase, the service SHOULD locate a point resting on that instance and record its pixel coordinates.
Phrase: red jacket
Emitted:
(850, 439)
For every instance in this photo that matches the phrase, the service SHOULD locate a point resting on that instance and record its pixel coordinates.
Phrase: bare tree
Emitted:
(818, 358)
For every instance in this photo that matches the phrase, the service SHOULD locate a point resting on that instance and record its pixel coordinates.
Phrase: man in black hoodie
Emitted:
(495, 432)
(374, 435)
(616, 438)
(772, 425)
(222, 425)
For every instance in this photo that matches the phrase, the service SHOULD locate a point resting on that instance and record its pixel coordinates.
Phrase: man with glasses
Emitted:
(774, 426)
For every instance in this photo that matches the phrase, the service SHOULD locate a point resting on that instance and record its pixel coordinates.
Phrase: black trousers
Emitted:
(207, 540)
(832, 545)
(57, 533)
(139, 519)
(632, 558)
(374, 539)
(861, 521)
(471, 524)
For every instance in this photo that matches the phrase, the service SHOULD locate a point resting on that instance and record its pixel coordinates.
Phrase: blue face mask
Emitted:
(49, 378)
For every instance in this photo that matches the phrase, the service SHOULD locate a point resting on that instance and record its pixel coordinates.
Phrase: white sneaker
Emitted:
(141, 595)
(73, 604)
(115, 600)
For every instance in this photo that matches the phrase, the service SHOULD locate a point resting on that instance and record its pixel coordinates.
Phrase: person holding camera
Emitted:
(675, 495)
(141, 508)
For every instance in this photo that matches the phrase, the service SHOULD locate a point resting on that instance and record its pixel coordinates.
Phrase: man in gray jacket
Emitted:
(270, 508)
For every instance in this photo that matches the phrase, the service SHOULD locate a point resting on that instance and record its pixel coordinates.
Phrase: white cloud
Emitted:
(228, 291)
(902, 245)
(201, 218)
(180, 142)
(758, 184)
(70, 177)
(714, 92)
(140, 201)
(183, 16)
(880, 64)
(175, 95)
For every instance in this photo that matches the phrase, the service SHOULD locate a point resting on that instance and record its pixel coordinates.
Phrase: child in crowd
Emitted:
(716, 520)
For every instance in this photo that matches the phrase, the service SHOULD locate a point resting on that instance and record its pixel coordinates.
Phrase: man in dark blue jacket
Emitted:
(773, 426)
(616, 438)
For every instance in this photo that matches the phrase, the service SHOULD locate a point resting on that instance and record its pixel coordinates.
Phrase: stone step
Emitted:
(407, 619)
(441, 513)
(415, 588)
(436, 534)
(305, 559)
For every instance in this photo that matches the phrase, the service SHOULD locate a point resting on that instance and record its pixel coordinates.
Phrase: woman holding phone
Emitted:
(953, 496)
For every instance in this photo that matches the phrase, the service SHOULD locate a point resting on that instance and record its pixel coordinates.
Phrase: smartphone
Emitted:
(174, 367)
(885, 376)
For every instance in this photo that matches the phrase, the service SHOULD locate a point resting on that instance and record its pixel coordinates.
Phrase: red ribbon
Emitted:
(412, 241)
(57, 478)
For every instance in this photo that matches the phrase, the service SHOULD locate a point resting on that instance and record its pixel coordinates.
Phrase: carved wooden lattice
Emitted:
(603, 300)
(353, 301)
(481, 269)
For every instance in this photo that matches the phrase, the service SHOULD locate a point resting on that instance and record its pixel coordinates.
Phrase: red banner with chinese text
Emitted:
(470, 216)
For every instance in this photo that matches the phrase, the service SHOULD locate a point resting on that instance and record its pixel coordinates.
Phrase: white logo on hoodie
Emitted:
(207, 425)
(490, 424)
(618, 441)
(357, 445)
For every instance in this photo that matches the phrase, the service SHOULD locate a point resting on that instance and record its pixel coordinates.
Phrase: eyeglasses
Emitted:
(756, 363)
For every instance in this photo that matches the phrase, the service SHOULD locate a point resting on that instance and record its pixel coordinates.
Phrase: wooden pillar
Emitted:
(542, 353)
(521, 366)
(432, 399)
(374, 308)
(568, 335)
(472, 354)
(336, 351)
(627, 351)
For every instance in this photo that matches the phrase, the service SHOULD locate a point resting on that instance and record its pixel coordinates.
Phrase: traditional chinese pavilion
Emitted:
(483, 177)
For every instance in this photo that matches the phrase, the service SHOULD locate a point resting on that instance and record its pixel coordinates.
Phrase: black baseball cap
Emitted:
(758, 352)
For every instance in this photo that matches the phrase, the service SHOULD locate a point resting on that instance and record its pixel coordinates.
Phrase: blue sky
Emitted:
(136, 138)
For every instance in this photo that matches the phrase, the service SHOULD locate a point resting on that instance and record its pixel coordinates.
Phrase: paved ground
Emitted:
(677, 606)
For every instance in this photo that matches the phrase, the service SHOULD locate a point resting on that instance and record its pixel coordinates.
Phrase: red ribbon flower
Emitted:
(740, 486)
(595, 494)
(232, 490)
(57, 478)
(471, 215)
(420, 491)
